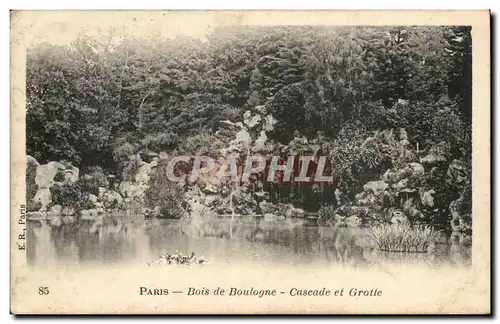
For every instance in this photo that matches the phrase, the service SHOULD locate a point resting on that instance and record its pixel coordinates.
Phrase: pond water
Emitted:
(126, 241)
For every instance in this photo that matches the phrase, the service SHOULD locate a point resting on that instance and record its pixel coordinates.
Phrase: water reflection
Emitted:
(121, 240)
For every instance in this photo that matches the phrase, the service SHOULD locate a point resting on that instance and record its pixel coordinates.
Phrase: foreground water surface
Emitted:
(121, 241)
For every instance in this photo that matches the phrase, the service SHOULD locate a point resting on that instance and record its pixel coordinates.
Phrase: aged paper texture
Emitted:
(250, 162)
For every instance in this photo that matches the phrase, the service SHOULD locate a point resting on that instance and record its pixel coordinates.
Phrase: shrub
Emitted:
(164, 194)
(203, 143)
(160, 141)
(122, 151)
(403, 237)
(31, 186)
(356, 157)
(93, 179)
(70, 195)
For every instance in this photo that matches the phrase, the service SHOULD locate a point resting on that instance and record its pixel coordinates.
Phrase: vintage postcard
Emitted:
(250, 162)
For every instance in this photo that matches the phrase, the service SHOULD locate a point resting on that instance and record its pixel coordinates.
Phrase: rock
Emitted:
(43, 197)
(338, 218)
(432, 159)
(230, 126)
(132, 190)
(102, 190)
(460, 222)
(398, 217)
(367, 199)
(45, 174)
(56, 210)
(71, 174)
(394, 176)
(242, 141)
(88, 213)
(143, 174)
(377, 187)
(247, 115)
(417, 168)
(266, 207)
(262, 195)
(261, 109)
(402, 134)
(457, 172)
(212, 200)
(427, 198)
(351, 210)
(403, 184)
(210, 189)
(414, 214)
(260, 142)
(223, 210)
(438, 153)
(295, 212)
(404, 142)
(269, 122)
(225, 191)
(243, 202)
(339, 196)
(93, 199)
(68, 211)
(252, 121)
(111, 199)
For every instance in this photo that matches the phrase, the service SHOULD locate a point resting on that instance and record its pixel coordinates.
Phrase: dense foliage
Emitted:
(165, 195)
(70, 195)
(100, 100)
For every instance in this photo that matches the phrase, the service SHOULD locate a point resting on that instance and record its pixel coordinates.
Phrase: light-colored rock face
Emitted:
(102, 190)
(260, 142)
(93, 198)
(427, 198)
(45, 174)
(417, 168)
(131, 189)
(295, 212)
(269, 122)
(44, 197)
(210, 189)
(375, 187)
(143, 173)
(242, 141)
(253, 121)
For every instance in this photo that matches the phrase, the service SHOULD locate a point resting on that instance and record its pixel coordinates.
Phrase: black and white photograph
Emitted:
(191, 158)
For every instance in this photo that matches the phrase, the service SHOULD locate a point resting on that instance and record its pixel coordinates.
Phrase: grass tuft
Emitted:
(403, 237)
